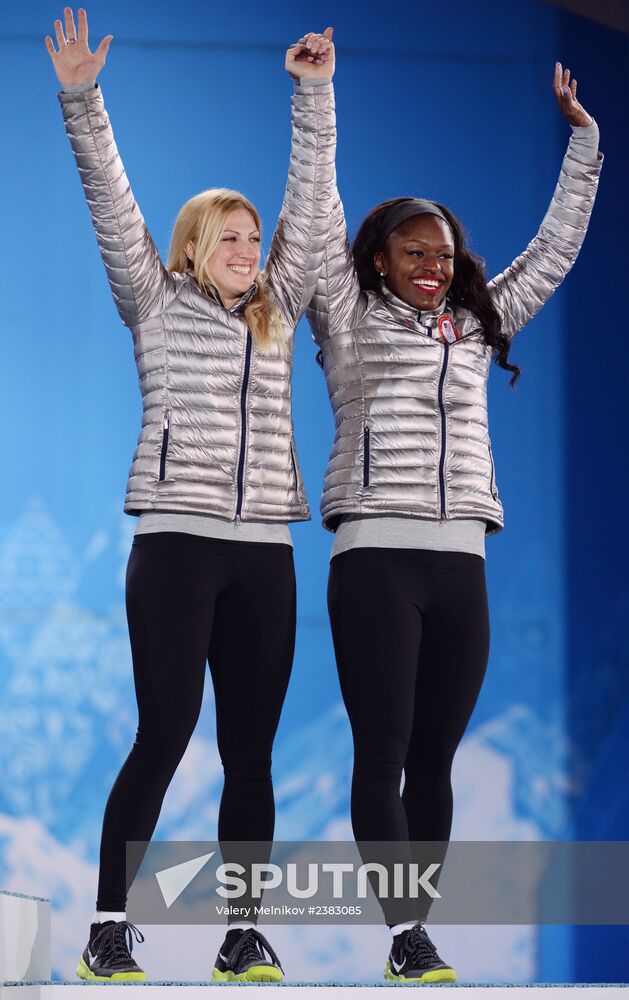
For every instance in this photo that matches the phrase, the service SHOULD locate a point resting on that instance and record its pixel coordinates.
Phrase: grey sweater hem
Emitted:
(215, 527)
(464, 535)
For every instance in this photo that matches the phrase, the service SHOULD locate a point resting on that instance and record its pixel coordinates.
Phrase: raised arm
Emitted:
(296, 254)
(337, 291)
(521, 291)
(137, 277)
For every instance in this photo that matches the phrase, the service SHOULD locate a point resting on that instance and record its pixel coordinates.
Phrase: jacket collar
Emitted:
(465, 321)
(213, 293)
(402, 310)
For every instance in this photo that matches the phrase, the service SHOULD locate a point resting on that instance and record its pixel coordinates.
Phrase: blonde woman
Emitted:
(215, 477)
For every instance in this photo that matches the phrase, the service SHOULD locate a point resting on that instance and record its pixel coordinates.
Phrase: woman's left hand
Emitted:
(566, 94)
(312, 55)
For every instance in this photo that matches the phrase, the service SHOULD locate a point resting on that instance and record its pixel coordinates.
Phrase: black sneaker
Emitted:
(107, 957)
(414, 959)
(242, 959)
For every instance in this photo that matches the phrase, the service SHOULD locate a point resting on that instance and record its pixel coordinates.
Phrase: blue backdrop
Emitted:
(451, 102)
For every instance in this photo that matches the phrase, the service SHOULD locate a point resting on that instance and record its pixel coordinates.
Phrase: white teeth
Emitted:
(240, 270)
(427, 284)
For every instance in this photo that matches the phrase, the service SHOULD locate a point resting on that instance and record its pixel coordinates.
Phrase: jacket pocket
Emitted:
(492, 484)
(366, 454)
(164, 452)
(294, 467)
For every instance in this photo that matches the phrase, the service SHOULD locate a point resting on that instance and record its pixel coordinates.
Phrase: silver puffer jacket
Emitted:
(410, 408)
(217, 431)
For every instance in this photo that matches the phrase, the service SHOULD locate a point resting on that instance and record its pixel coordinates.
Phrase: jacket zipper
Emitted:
(294, 464)
(492, 484)
(442, 456)
(243, 429)
(164, 451)
(366, 444)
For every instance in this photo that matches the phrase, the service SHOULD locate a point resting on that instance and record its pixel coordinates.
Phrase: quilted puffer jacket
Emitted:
(410, 402)
(217, 430)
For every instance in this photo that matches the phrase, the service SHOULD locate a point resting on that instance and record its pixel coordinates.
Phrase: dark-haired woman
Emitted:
(407, 327)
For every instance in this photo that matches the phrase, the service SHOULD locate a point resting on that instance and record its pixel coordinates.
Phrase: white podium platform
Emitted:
(24, 937)
(290, 991)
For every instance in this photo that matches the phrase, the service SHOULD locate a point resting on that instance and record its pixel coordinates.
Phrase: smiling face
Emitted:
(417, 262)
(235, 263)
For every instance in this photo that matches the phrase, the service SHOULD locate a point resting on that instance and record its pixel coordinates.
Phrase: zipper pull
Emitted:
(237, 520)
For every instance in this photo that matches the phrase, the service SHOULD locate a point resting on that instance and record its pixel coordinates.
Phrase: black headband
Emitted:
(404, 210)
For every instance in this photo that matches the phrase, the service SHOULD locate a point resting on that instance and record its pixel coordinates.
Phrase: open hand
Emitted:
(74, 63)
(312, 55)
(566, 94)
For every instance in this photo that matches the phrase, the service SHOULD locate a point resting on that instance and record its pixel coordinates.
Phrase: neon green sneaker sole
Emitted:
(256, 974)
(83, 972)
(436, 976)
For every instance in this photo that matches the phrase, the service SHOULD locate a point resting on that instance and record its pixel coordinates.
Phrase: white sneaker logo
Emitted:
(173, 881)
(92, 958)
(395, 965)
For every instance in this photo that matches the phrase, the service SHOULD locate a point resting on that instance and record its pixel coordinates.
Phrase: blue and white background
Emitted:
(450, 101)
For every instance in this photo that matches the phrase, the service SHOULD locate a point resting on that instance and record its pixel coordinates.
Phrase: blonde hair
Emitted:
(202, 219)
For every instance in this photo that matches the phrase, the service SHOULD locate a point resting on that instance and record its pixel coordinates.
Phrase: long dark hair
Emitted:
(469, 285)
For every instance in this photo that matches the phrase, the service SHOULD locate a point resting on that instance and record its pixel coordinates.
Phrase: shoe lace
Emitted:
(419, 946)
(116, 941)
(250, 946)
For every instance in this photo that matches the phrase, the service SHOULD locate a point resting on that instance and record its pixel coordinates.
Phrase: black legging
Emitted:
(192, 599)
(411, 637)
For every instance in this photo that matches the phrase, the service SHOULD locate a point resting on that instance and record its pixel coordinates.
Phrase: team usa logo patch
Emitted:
(447, 330)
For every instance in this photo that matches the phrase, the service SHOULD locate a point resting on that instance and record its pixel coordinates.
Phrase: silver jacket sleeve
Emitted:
(296, 254)
(137, 277)
(521, 291)
(337, 295)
